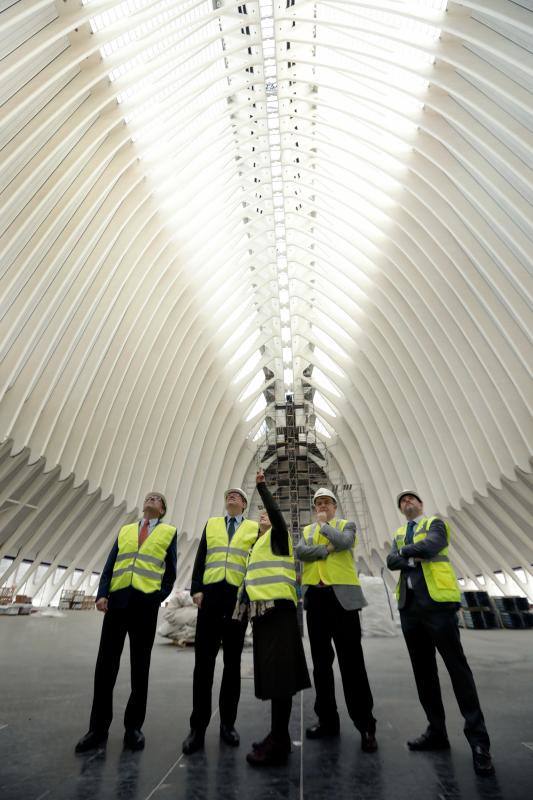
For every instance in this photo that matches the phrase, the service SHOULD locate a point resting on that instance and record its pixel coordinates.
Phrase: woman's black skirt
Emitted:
(280, 669)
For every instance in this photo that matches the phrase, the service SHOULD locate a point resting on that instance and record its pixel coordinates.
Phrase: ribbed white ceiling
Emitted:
(200, 200)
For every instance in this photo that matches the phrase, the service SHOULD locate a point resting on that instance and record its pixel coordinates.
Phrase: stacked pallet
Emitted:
(6, 595)
(76, 600)
(65, 601)
(514, 612)
(477, 612)
(22, 604)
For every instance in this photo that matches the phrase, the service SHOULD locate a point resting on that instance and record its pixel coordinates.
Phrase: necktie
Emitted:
(143, 533)
(231, 527)
(410, 530)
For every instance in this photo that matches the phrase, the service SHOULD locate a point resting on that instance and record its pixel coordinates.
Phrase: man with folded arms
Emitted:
(428, 598)
(333, 598)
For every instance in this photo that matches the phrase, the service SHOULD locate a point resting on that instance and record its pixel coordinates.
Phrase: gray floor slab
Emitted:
(46, 673)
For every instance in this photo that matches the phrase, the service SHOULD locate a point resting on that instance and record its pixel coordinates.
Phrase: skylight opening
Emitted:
(238, 333)
(266, 12)
(259, 405)
(330, 323)
(287, 355)
(175, 98)
(288, 378)
(328, 340)
(261, 432)
(320, 427)
(248, 366)
(255, 384)
(324, 405)
(328, 362)
(322, 380)
(245, 346)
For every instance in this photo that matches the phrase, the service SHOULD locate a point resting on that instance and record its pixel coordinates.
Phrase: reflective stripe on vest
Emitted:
(141, 568)
(268, 576)
(439, 575)
(225, 561)
(337, 568)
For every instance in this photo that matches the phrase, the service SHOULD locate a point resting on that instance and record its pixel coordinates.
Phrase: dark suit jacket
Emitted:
(122, 597)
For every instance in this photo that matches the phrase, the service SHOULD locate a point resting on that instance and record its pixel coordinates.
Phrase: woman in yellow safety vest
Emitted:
(280, 669)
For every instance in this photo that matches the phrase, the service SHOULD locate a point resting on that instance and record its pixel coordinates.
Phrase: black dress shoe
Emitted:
(229, 735)
(320, 731)
(91, 741)
(134, 739)
(428, 741)
(193, 742)
(482, 761)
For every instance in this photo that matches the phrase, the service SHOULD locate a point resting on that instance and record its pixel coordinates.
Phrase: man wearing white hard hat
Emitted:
(428, 597)
(333, 599)
(218, 572)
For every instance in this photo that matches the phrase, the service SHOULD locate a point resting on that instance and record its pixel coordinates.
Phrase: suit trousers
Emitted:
(327, 622)
(427, 630)
(215, 627)
(138, 620)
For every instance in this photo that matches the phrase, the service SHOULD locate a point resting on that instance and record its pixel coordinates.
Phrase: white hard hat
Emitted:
(408, 491)
(239, 491)
(323, 492)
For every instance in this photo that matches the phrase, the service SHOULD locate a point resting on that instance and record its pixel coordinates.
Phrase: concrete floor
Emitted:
(46, 673)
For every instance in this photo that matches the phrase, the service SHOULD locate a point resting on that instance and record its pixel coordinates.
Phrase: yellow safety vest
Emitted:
(337, 568)
(270, 577)
(226, 561)
(141, 568)
(439, 574)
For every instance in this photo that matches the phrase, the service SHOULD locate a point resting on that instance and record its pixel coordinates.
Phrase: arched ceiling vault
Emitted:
(206, 203)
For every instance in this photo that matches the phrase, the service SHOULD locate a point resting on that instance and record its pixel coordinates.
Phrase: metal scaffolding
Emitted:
(297, 461)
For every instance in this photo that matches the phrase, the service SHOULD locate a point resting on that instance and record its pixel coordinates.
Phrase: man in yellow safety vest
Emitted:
(428, 598)
(218, 572)
(138, 575)
(333, 599)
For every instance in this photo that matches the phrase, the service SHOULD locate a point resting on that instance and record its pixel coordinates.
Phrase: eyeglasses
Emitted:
(153, 497)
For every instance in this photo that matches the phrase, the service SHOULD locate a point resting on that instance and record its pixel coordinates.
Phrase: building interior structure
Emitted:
(288, 234)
